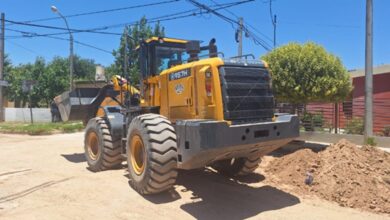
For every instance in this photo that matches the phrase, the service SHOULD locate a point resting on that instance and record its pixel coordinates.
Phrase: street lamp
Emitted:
(55, 10)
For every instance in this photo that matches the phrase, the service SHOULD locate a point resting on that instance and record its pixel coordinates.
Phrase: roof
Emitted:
(377, 70)
(166, 39)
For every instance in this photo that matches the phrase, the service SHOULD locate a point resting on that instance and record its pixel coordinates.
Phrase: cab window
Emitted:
(167, 57)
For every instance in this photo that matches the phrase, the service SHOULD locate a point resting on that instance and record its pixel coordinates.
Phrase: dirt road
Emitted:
(45, 177)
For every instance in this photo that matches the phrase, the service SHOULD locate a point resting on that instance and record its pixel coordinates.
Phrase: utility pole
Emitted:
(31, 113)
(71, 67)
(2, 55)
(273, 20)
(369, 69)
(274, 24)
(239, 37)
(125, 62)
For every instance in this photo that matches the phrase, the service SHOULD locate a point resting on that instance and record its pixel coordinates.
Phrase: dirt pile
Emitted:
(351, 176)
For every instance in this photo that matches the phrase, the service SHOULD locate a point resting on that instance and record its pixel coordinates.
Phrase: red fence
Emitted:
(381, 112)
(343, 116)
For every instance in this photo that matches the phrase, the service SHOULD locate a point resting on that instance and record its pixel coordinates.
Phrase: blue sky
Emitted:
(338, 25)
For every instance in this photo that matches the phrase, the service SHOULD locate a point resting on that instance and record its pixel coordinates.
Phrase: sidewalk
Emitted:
(316, 145)
(322, 137)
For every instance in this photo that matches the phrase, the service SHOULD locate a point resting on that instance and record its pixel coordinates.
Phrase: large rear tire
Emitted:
(237, 166)
(151, 154)
(101, 150)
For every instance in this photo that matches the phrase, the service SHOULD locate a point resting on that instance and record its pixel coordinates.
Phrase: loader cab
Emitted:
(167, 76)
(158, 54)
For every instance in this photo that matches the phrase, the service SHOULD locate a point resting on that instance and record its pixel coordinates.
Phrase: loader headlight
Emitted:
(208, 74)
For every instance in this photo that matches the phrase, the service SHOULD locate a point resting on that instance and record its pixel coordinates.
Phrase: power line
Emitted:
(227, 10)
(60, 28)
(245, 22)
(93, 30)
(257, 31)
(103, 11)
(177, 15)
(52, 37)
(23, 47)
(271, 13)
(167, 17)
(257, 40)
(174, 16)
(27, 34)
(205, 7)
(81, 43)
(273, 20)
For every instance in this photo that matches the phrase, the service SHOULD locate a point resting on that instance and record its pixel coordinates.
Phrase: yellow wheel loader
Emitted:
(193, 108)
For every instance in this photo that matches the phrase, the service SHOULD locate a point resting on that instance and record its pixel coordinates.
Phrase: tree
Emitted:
(7, 64)
(112, 70)
(307, 73)
(84, 69)
(37, 72)
(56, 78)
(14, 90)
(7, 69)
(136, 33)
(18, 74)
(51, 79)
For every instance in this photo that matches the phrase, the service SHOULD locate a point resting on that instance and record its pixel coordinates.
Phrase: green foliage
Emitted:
(307, 73)
(55, 79)
(138, 32)
(51, 79)
(307, 121)
(7, 64)
(41, 128)
(307, 116)
(355, 126)
(15, 76)
(386, 131)
(111, 70)
(318, 119)
(84, 69)
(370, 141)
(312, 120)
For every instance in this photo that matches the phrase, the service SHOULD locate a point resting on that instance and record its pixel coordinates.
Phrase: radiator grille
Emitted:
(246, 94)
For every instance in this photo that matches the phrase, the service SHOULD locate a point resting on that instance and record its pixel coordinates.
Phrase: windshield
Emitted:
(167, 57)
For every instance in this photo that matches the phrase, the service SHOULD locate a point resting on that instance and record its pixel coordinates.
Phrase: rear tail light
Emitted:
(208, 76)
(208, 89)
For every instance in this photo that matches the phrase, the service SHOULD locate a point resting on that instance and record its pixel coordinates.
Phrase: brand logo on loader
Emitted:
(179, 88)
(179, 75)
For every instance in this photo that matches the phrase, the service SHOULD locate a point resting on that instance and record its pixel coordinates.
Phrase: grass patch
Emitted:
(370, 141)
(41, 128)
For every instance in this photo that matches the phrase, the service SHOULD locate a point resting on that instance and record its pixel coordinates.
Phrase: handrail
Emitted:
(245, 56)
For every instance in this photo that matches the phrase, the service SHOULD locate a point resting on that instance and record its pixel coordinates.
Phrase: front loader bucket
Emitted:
(75, 105)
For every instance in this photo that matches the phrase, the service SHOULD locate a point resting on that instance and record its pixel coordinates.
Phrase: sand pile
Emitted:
(351, 176)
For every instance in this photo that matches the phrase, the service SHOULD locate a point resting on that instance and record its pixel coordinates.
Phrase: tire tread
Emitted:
(162, 153)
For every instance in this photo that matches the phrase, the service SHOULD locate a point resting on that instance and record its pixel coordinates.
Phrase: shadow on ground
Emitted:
(74, 158)
(298, 145)
(217, 197)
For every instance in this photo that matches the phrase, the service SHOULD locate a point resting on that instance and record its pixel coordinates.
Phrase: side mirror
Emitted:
(193, 49)
(161, 40)
(213, 50)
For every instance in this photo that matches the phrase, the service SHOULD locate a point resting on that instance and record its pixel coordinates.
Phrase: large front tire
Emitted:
(151, 154)
(237, 166)
(101, 150)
